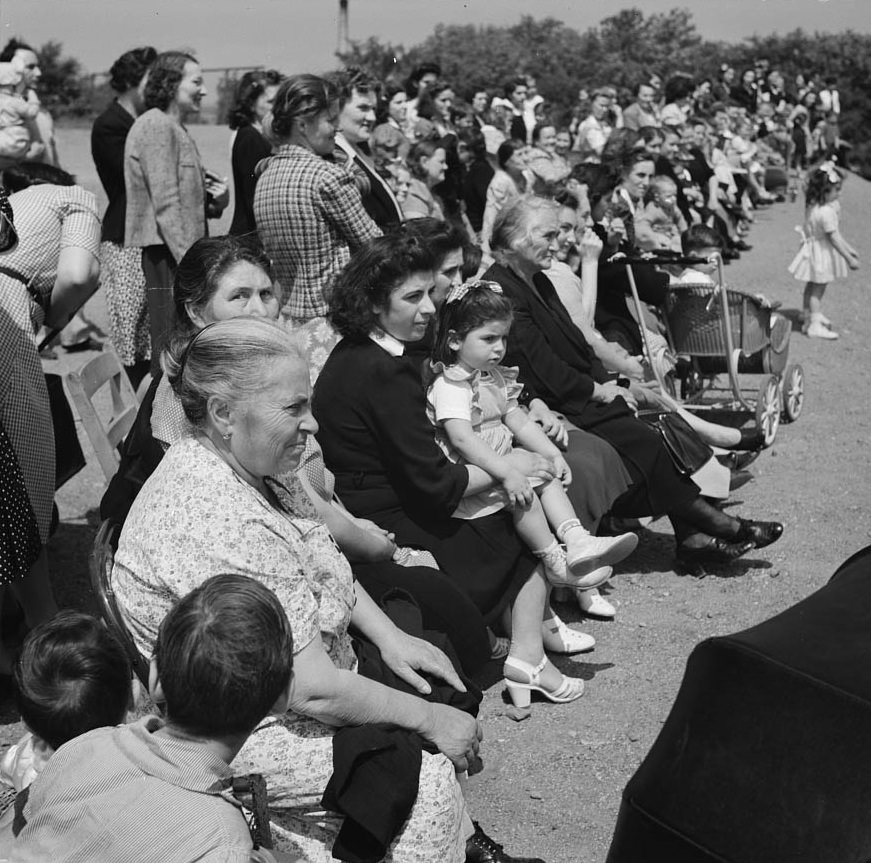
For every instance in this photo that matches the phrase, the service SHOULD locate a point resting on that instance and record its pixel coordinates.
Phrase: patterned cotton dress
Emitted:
(818, 261)
(48, 218)
(483, 399)
(195, 518)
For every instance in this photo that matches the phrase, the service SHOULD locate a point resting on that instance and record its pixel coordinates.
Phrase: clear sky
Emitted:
(300, 35)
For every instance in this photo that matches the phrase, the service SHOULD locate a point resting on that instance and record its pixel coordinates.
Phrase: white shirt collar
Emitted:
(386, 342)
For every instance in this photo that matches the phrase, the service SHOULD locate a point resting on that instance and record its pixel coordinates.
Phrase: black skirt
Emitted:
(483, 556)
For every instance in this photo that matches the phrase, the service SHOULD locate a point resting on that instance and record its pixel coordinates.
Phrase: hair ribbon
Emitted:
(457, 293)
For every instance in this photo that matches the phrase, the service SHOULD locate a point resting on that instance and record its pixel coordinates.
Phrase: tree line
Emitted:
(620, 51)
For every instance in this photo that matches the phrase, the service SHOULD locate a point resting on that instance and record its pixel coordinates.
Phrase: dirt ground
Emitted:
(552, 783)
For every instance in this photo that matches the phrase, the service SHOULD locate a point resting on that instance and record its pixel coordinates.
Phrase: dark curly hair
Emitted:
(300, 96)
(201, 268)
(250, 88)
(819, 180)
(164, 77)
(350, 79)
(439, 237)
(456, 319)
(375, 270)
(388, 91)
(129, 69)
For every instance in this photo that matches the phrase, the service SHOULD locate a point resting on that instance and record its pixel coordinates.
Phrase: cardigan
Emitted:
(166, 194)
(108, 136)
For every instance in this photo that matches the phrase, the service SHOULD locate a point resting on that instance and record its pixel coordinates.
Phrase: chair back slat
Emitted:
(82, 385)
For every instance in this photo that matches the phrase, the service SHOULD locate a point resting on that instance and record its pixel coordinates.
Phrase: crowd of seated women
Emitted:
(399, 414)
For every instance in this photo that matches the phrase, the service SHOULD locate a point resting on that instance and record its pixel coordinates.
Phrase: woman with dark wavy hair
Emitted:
(121, 272)
(248, 145)
(169, 194)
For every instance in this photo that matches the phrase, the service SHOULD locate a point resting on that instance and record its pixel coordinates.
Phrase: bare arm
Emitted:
(338, 697)
(844, 248)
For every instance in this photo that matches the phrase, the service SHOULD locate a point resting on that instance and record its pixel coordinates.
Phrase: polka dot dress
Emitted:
(19, 533)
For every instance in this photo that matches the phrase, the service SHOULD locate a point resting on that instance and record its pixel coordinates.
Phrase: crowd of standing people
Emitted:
(384, 424)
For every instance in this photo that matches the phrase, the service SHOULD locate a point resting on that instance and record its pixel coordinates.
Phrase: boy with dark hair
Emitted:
(159, 789)
(72, 676)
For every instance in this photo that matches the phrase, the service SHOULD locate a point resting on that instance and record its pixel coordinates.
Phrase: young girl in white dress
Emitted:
(824, 254)
(472, 402)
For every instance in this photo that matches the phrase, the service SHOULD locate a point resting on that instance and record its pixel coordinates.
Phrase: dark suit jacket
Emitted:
(379, 201)
(556, 362)
(108, 135)
(249, 148)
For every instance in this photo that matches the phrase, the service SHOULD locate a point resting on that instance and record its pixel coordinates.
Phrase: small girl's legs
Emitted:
(583, 550)
(816, 324)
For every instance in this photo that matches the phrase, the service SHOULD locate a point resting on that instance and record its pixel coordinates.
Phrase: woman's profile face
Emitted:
(542, 243)
(320, 130)
(263, 105)
(434, 166)
(409, 308)
(191, 89)
(447, 276)
(244, 290)
(443, 103)
(268, 431)
(567, 237)
(397, 108)
(637, 179)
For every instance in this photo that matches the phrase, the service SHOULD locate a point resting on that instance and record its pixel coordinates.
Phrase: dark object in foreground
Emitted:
(765, 754)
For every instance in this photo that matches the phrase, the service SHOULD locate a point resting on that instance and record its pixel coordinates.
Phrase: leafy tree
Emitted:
(61, 84)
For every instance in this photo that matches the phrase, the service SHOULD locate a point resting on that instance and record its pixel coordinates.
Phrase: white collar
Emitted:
(386, 342)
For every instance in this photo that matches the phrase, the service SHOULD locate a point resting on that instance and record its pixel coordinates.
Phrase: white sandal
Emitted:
(521, 693)
(558, 638)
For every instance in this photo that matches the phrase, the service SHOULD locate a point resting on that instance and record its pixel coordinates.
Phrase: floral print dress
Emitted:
(195, 518)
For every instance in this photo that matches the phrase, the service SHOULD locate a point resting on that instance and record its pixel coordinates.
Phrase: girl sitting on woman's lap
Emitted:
(473, 404)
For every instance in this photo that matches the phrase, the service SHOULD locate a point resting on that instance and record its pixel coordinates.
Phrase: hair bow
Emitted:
(830, 170)
(460, 291)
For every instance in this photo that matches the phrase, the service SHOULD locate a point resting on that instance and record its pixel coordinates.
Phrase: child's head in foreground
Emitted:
(72, 676)
(700, 241)
(223, 657)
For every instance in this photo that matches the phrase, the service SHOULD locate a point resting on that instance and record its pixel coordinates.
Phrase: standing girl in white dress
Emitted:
(824, 254)
(473, 404)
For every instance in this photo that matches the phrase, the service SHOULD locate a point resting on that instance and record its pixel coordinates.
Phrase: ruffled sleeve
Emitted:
(506, 376)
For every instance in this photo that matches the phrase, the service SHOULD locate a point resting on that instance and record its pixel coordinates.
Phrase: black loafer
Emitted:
(716, 552)
(480, 848)
(760, 533)
(752, 440)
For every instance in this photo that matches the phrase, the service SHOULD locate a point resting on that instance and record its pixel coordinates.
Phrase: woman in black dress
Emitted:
(370, 405)
(557, 362)
(254, 97)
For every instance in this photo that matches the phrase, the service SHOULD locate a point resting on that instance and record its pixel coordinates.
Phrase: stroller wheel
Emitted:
(768, 408)
(793, 392)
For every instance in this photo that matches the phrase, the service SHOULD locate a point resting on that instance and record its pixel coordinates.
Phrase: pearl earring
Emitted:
(226, 436)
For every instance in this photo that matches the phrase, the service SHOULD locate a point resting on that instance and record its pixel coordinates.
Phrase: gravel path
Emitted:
(552, 782)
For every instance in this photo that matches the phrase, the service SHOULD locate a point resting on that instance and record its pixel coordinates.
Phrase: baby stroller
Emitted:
(713, 330)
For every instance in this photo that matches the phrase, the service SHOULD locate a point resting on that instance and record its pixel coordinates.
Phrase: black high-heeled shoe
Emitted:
(760, 533)
(751, 440)
(716, 552)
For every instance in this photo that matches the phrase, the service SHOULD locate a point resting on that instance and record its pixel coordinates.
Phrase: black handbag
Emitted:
(687, 450)
(68, 456)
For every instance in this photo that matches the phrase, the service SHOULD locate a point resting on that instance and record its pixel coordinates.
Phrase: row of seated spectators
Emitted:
(353, 557)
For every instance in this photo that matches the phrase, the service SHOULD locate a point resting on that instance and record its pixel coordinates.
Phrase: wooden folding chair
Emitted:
(100, 564)
(107, 437)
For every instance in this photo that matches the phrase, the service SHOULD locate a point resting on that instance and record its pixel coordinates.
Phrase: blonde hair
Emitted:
(227, 360)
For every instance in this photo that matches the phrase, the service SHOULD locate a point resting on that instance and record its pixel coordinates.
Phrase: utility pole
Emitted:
(342, 40)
